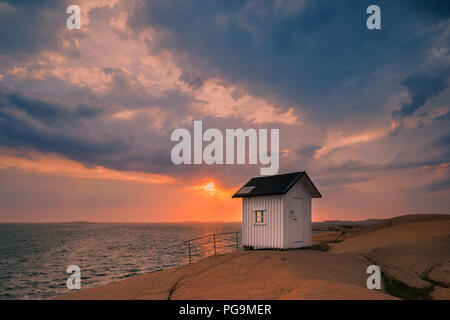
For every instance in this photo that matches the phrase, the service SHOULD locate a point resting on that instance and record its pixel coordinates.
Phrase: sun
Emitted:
(210, 187)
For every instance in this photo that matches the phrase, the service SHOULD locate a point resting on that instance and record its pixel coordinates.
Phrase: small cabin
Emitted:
(276, 211)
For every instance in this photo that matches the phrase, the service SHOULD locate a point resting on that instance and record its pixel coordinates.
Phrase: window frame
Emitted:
(262, 211)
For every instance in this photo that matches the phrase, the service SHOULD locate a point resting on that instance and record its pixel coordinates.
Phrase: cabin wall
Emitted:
(269, 235)
(298, 199)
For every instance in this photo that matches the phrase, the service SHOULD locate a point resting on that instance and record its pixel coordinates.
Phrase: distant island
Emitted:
(78, 222)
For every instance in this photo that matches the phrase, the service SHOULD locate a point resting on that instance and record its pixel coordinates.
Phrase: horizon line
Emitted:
(195, 221)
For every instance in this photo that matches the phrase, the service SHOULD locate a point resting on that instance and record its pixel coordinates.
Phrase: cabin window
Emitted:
(259, 216)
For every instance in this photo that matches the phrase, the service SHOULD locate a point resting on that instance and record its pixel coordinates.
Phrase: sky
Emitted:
(86, 115)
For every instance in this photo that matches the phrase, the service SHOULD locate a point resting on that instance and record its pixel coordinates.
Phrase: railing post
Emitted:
(237, 241)
(189, 245)
(215, 251)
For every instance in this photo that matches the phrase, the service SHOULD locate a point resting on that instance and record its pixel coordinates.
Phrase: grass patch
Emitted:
(319, 247)
(401, 290)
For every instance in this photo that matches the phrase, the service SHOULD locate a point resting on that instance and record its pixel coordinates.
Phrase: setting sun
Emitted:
(210, 187)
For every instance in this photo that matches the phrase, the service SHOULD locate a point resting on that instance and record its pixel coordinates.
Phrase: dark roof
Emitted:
(272, 185)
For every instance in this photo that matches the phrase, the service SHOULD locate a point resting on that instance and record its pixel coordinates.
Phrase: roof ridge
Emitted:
(277, 175)
(299, 174)
(273, 185)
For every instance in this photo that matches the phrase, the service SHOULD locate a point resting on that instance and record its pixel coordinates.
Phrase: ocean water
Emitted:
(34, 257)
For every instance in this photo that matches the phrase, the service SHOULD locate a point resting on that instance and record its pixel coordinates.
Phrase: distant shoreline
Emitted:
(316, 224)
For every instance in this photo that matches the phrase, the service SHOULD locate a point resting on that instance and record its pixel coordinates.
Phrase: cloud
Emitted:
(340, 181)
(434, 9)
(82, 133)
(307, 151)
(117, 139)
(27, 27)
(442, 141)
(336, 140)
(49, 127)
(439, 185)
(45, 112)
(317, 56)
(59, 166)
(399, 163)
(422, 87)
(443, 117)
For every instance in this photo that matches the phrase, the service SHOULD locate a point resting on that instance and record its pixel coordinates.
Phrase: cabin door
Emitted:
(297, 223)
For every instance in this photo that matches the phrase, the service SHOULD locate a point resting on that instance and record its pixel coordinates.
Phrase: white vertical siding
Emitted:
(271, 233)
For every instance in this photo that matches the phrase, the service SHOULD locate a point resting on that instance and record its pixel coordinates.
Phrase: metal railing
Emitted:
(214, 236)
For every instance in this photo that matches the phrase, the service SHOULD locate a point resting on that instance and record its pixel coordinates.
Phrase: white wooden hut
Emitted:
(276, 211)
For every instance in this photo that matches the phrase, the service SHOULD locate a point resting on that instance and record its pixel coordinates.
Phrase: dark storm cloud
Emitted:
(45, 112)
(91, 136)
(301, 53)
(33, 3)
(354, 171)
(434, 9)
(401, 162)
(27, 27)
(193, 82)
(430, 160)
(128, 92)
(48, 127)
(422, 87)
(307, 151)
(442, 141)
(443, 117)
(439, 185)
(341, 181)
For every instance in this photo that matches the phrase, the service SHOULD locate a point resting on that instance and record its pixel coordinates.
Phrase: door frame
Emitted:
(296, 223)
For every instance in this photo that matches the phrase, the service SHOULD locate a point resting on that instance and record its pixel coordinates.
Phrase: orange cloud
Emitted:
(227, 101)
(337, 140)
(54, 164)
(94, 78)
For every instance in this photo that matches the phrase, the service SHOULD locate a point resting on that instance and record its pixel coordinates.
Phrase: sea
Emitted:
(34, 257)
